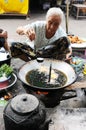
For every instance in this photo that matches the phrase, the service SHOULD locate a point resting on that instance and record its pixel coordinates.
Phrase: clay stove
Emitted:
(51, 99)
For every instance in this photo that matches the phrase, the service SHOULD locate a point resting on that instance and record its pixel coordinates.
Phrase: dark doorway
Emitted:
(35, 5)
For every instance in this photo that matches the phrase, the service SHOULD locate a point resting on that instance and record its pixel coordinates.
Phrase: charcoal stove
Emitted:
(25, 112)
(51, 99)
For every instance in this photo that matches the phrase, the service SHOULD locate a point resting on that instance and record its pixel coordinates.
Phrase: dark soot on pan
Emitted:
(40, 79)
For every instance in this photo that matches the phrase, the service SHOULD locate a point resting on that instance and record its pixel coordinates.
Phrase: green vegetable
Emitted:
(6, 69)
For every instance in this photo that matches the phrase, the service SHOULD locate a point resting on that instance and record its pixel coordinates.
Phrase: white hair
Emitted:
(54, 11)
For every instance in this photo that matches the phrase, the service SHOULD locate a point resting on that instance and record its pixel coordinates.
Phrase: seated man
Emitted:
(3, 39)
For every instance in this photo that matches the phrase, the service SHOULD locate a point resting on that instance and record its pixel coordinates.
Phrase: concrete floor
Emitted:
(77, 27)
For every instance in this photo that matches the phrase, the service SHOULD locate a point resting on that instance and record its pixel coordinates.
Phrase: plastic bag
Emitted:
(14, 6)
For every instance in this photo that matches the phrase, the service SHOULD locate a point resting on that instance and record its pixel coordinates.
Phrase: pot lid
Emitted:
(4, 55)
(24, 103)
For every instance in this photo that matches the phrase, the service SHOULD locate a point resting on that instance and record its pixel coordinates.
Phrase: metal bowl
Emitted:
(5, 57)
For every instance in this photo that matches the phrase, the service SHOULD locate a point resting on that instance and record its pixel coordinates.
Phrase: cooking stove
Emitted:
(67, 113)
(64, 115)
(72, 109)
(51, 99)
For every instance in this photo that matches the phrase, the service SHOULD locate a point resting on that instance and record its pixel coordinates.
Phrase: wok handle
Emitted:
(68, 94)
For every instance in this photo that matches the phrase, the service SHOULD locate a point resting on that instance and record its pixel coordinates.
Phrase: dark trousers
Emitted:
(2, 41)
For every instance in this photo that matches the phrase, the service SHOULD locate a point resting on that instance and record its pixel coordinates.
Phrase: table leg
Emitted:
(77, 13)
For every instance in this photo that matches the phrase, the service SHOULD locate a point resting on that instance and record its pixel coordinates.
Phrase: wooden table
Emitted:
(78, 10)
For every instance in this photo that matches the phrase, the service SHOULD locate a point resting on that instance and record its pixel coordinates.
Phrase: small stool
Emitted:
(78, 10)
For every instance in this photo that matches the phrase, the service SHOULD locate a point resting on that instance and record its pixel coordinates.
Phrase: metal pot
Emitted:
(56, 64)
(25, 112)
(5, 57)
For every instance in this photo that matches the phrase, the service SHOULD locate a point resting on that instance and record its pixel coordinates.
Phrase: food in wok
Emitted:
(40, 77)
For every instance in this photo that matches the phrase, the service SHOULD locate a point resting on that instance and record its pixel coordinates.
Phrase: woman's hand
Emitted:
(20, 30)
(31, 34)
(68, 58)
(5, 34)
(68, 55)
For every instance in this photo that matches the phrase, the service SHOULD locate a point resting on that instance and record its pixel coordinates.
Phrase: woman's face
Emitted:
(52, 23)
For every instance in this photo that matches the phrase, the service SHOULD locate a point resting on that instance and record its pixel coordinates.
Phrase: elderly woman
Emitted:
(48, 33)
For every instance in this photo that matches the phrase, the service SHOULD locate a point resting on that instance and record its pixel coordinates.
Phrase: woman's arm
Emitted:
(29, 32)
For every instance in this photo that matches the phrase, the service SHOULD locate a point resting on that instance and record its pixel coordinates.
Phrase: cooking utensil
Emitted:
(5, 57)
(56, 64)
(40, 59)
(50, 68)
(25, 112)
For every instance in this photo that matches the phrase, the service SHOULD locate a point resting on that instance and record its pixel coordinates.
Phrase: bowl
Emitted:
(8, 83)
(4, 78)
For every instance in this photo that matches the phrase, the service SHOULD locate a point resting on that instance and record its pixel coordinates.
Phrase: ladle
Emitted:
(50, 68)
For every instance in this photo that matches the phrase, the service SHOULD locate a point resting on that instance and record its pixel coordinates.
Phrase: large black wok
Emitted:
(56, 64)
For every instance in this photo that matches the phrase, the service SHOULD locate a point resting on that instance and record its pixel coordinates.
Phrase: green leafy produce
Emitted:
(6, 69)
